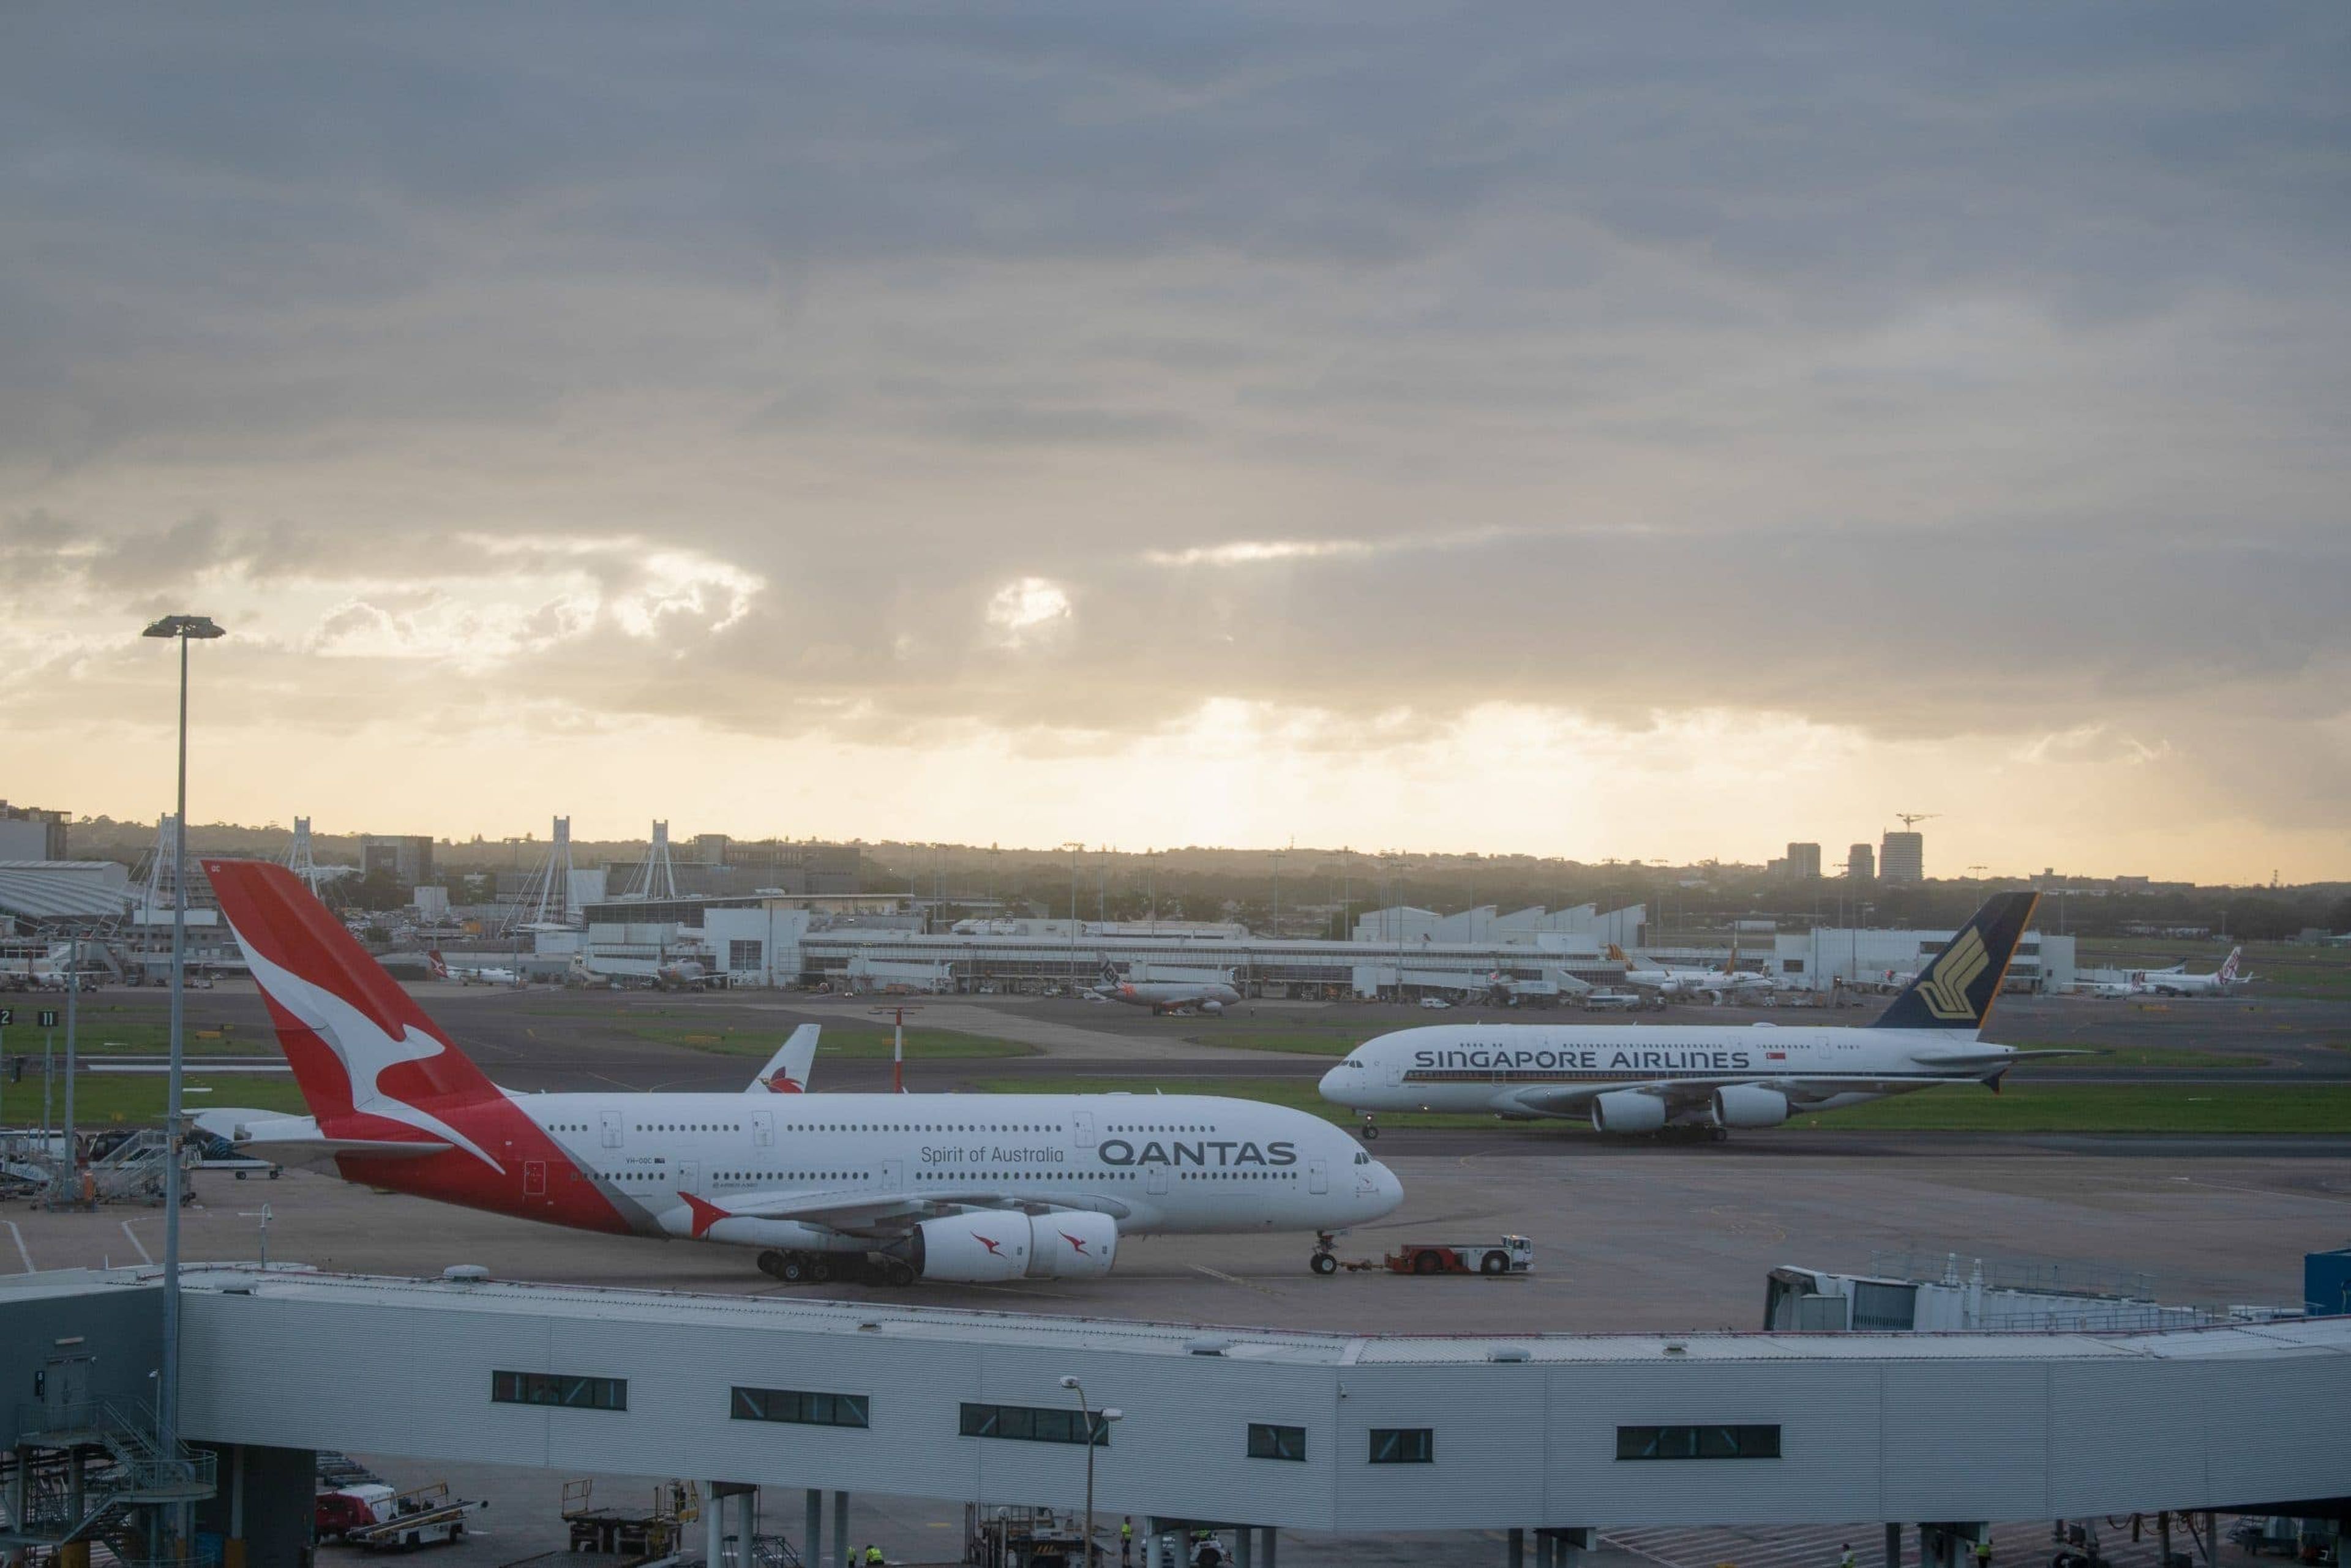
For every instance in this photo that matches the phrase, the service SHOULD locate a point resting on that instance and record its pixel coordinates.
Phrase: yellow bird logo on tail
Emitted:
(1957, 966)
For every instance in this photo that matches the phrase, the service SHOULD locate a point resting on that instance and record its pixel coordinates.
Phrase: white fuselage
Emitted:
(1169, 996)
(1157, 1164)
(1487, 1067)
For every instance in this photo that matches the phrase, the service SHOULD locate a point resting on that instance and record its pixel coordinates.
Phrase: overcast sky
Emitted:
(1661, 431)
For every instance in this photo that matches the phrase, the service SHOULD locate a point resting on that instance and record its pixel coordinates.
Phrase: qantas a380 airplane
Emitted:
(1634, 1079)
(894, 1187)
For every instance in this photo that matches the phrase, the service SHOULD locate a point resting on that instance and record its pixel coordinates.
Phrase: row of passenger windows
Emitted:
(1053, 1423)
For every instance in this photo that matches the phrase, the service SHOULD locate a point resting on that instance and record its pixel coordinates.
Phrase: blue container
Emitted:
(2327, 1283)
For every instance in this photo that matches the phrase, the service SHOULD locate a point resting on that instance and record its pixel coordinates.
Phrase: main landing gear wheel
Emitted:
(899, 1272)
(820, 1270)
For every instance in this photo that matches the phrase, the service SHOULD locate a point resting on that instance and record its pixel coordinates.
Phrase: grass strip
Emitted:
(2249, 1108)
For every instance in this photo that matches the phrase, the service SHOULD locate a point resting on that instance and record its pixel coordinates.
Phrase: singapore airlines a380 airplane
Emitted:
(892, 1187)
(1629, 1079)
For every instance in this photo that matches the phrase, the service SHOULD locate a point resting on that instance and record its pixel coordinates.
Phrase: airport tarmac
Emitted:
(1629, 1235)
(1653, 1243)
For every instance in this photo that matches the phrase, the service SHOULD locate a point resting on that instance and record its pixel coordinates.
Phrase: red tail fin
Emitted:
(357, 1042)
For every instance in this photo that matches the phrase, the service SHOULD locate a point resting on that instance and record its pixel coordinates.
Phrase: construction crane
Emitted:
(1912, 819)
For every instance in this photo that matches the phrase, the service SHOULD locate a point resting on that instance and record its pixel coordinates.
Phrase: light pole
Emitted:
(183, 629)
(1086, 1558)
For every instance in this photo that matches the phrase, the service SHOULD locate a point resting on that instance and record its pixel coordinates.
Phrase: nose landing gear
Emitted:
(1324, 1261)
(1371, 1128)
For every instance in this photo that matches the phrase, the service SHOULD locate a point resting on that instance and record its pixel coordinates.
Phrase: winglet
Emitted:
(1955, 989)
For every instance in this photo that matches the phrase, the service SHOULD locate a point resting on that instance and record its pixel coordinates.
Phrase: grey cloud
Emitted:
(1870, 366)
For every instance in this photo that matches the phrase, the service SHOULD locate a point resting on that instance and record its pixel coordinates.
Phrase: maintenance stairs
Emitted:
(91, 1476)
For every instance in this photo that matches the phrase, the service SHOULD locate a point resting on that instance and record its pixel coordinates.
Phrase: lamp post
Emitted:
(1094, 1426)
(183, 629)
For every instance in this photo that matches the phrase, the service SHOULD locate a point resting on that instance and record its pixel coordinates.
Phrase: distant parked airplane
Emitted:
(468, 975)
(2179, 983)
(1169, 996)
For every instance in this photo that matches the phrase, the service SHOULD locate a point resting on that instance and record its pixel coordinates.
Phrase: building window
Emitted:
(806, 1409)
(560, 1388)
(1698, 1442)
(1404, 1446)
(742, 955)
(1025, 1424)
(1276, 1442)
(1791, 965)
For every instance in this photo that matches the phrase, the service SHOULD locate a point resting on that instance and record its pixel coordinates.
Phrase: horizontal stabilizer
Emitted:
(1962, 1061)
(296, 1141)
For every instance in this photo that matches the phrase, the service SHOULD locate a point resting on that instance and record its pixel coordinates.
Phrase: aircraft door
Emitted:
(1394, 1065)
(1082, 1124)
(763, 1129)
(534, 1178)
(689, 1175)
(1318, 1175)
(611, 1121)
(893, 1176)
(1154, 1179)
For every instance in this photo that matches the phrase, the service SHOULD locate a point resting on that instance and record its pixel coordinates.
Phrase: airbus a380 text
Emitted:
(1629, 1079)
(963, 1187)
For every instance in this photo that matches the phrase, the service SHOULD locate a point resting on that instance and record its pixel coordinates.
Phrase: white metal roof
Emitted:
(2327, 1336)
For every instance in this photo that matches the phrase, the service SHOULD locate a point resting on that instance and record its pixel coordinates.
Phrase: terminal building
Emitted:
(1256, 1432)
(869, 942)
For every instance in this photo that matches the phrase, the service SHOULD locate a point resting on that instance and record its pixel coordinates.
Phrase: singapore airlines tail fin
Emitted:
(1955, 988)
(357, 1043)
(787, 1071)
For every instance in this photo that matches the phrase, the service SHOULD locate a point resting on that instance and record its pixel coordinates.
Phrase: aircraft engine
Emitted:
(1071, 1246)
(1749, 1105)
(982, 1248)
(972, 1248)
(1211, 1006)
(1627, 1111)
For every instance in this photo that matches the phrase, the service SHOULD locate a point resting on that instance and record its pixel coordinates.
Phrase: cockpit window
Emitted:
(1362, 1158)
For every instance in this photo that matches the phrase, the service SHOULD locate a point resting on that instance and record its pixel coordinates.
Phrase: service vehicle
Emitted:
(1508, 1255)
(374, 1518)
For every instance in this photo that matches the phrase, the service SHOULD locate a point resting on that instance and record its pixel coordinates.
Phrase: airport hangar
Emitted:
(1257, 1430)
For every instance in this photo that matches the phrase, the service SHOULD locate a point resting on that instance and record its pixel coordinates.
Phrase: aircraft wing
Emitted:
(296, 1141)
(884, 1213)
(787, 1071)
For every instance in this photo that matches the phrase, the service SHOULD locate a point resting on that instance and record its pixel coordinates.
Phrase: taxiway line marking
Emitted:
(22, 1250)
(141, 1246)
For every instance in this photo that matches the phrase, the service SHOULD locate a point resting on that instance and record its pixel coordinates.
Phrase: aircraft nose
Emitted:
(1329, 1084)
(1388, 1194)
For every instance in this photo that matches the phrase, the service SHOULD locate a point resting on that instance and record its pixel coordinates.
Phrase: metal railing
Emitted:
(126, 1428)
(2012, 1274)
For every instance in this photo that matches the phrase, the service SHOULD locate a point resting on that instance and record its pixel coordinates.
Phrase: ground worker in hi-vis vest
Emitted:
(1845, 1558)
(1126, 1540)
(872, 1555)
